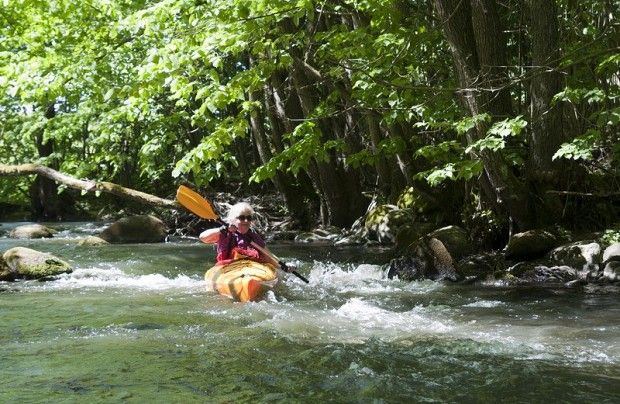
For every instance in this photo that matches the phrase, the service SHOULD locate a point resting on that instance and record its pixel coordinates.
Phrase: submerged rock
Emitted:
(135, 229)
(29, 231)
(480, 266)
(92, 241)
(21, 262)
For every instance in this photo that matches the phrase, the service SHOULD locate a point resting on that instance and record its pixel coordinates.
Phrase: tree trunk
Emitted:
(44, 200)
(343, 208)
(546, 120)
(293, 196)
(546, 131)
(382, 168)
(457, 20)
(491, 51)
(280, 114)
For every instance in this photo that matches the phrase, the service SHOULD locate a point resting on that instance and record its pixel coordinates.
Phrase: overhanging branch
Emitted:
(86, 185)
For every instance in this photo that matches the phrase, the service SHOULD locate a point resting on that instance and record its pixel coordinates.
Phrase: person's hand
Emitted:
(232, 228)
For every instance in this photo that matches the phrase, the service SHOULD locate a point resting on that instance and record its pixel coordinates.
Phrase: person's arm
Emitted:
(210, 236)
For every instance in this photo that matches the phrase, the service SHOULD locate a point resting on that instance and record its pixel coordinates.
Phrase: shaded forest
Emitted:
(489, 114)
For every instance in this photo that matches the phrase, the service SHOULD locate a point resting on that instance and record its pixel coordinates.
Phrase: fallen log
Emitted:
(86, 185)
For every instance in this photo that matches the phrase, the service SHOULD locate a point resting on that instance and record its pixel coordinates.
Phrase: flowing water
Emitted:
(135, 323)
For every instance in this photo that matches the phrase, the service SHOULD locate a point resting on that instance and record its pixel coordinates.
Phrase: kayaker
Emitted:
(234, 241)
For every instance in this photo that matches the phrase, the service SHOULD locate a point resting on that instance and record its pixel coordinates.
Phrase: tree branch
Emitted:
(86, 185)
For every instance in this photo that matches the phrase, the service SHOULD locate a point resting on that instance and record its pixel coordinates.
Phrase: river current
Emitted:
(135, 323)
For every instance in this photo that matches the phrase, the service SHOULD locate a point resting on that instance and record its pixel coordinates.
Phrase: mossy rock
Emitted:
(579, 255)
(31, 264)
(5, 272)
(409, 233)
(383, 222)
(456, 241)
(531, 244)
(411, 199)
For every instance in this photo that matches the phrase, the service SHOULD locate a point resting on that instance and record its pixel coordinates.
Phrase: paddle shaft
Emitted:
(282, 264)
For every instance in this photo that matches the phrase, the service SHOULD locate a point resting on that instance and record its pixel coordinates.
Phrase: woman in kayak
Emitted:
(235, 241)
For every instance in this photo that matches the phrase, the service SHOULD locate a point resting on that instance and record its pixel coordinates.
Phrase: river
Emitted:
(135, 323)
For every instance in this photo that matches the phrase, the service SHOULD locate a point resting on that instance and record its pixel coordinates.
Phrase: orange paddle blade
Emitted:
(195, 203)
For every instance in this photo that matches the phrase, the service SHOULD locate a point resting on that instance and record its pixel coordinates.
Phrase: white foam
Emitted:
(117, 279)
(365, 279)
(356, 321)
(485, 303)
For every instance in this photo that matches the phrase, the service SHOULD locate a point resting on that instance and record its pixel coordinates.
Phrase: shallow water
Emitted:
(135, 323)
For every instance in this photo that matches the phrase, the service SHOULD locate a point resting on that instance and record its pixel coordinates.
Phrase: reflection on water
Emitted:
(135, 322)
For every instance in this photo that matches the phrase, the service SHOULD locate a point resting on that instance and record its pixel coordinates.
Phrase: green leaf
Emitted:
(466, 124)
(580, 148)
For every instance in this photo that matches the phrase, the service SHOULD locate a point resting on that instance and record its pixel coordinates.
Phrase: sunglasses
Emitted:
(248, 218)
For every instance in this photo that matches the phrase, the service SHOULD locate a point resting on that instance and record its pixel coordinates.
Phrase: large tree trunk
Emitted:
(546, 120)
(491, 51)
(466, 45)
(546, 132)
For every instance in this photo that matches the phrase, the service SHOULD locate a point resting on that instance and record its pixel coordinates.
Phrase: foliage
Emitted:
(610, 236)
(152, 93)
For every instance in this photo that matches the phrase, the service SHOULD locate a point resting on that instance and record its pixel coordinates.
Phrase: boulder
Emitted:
(531, 244)
(611, 271)
(135, 229)
(611, 263)
(31, 264)
(413, 199)
(455, 239)
(533, 272)
(408, 268)
(554, 274)
(383, 222)
(5, 272)
(474, 267)
(582, 255)
(92, 241)
(32, 231)
(428, 260)
(611, 253)
(410, 233)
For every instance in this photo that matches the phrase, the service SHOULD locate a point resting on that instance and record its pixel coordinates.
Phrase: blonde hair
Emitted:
(241, 208)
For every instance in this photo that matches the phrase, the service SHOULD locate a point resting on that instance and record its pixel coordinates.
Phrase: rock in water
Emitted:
(135, 229)
(32, 231)
(92, 241)
(611, 262)
(23, 262)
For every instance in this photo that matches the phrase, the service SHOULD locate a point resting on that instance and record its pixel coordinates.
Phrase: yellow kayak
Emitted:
(242, 280)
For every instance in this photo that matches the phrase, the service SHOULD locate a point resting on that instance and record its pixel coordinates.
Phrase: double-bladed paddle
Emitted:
(195, 203)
